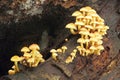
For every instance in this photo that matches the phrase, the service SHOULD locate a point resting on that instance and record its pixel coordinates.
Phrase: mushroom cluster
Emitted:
(55, 52)
(31, 58)
(91, 28)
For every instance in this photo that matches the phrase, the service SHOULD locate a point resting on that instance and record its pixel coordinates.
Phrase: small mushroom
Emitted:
(76, 13)
(25, 49)
(64, 48)
(92, 49)
(31, 61)
(72, 28)
(16, 59)
(54, 54)
(59, 50)
(34, 48)
(27, 55)
(68, 60)
(11, 72)
(81, 41)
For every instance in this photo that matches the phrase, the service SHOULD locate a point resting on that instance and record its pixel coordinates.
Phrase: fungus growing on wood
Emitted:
(54, 54)
(11, 72)
(16, 59)
(25, 50)
(31, 58)
(90, 26)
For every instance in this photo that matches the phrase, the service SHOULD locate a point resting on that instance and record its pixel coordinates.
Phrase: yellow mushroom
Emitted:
(11, 72)
(59, 50)
(34, 48)
(16, 59)
(72, 28)
(25, 49)
(76, 13)
(54, 54)
(68, 60)
(64, 48)
(27, 55)
(31, 61)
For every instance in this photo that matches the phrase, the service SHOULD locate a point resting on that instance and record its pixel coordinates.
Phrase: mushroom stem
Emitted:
(16, 66)
(73, 31)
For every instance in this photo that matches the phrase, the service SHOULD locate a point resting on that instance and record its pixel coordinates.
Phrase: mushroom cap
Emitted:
(68, 60)
(85, 9)
(86, 32)
(83, 29)
(93, 48)
(64, 47)
(73, 54)
(81, 40)
(28, 55)
(59, 50)
(79, 23)
(38, 54)
(100, 47)
(88, 17)
(99, 27)
(34, 47)
(11, 72)
(53, 51)
(31, 60)
(71, 26)
(79, 17)
(89, 26)
(79, 47)
(75, 50)
(76, 13)
(87, 40)
(25, 49)
(99, 42)
(16, 58)
(93, 39)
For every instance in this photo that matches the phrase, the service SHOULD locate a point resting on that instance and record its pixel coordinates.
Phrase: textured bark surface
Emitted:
(103, 67)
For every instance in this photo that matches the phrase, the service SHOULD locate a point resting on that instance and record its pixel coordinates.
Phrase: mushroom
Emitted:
(31, 61)
(84, 10)
(34, 48)
(92, 49)
(99, 48)
(88, 52)
(27, 55)
(79, 25)
(68, 60)
(73, 54)
(80, 49)
(59, 50)
(64, 48)
(79, 18)
(89, 27)
(87, 41)
(11, 72)
(81, 41)
(93, 40)
(25, 49)
(76, 13)
(88, 19)
(16, 59)
(54, 54)
(72, 28)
